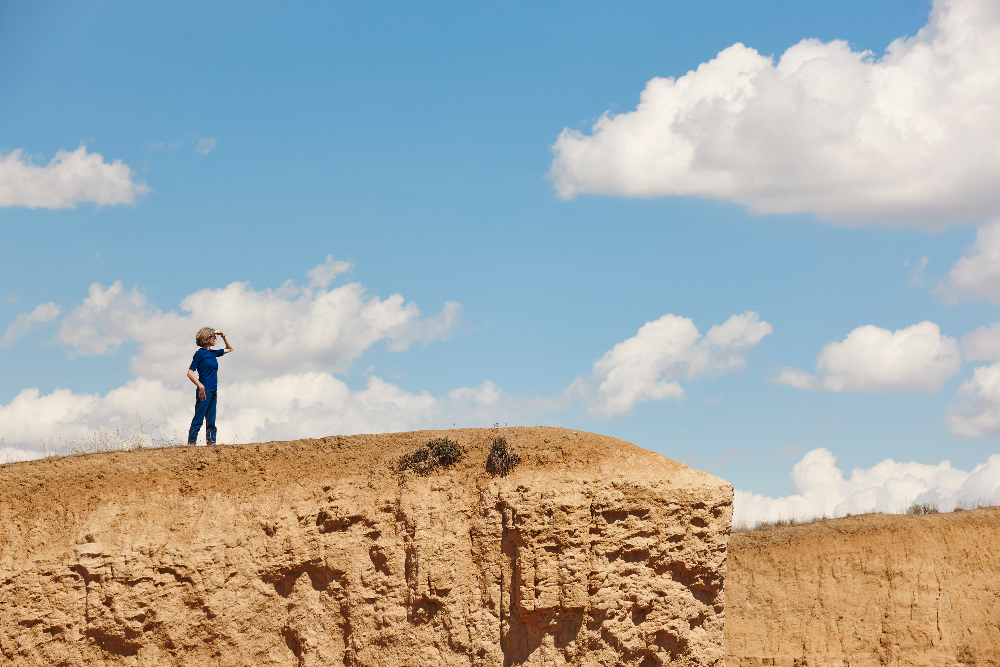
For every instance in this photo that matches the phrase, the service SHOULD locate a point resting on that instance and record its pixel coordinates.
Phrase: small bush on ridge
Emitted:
(440, 453)
(502, 458)
(922, 508)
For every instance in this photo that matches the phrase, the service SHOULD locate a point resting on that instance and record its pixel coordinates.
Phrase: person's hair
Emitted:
(203, 336)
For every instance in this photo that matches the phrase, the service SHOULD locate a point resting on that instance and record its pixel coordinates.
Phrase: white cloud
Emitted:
(309, 404)
(875, 360)
(793, 377)
(976, 275)
(205, 146)
(68, 179)
(982, 344)
(106, 319)
(429, 329)
(290, 342)
(288, 330)
(32, 417)
(323, 275)
(288, 406)
(977, 412)
(45, 312)
(649, 365)
(907, 139)
(821, 489)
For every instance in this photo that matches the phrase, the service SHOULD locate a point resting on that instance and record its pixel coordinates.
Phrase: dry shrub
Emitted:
(502, 458)
(922, 508)
(440, 453)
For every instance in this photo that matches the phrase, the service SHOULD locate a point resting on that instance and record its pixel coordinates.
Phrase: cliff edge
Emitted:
(591, 551)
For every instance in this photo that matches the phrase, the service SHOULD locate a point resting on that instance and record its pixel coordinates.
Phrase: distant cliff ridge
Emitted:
(865, 591)
(591, 551)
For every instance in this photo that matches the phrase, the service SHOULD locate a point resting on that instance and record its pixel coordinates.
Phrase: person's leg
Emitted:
(200, 407)
(213, 399)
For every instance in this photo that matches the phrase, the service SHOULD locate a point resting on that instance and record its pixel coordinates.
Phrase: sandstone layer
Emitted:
(315, 552)
(878, 589)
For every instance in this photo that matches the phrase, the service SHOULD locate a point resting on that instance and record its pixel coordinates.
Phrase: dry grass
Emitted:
(138, 435)
(913, 509)
(125, 438)
(745, 527)
(977, 504)
(923, 508)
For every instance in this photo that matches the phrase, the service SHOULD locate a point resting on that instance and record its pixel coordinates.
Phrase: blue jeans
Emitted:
(204, 411)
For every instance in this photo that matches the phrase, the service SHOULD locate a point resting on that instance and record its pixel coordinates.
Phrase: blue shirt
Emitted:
(206, 362)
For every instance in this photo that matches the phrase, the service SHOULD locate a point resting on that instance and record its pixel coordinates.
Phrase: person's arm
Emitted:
(229, 346)
(201, 387)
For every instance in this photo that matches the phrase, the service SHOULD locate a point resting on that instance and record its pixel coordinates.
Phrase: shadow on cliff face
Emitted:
(319, 576)
(315, 626)
(116, 644)
(527, 632)
(524, 632)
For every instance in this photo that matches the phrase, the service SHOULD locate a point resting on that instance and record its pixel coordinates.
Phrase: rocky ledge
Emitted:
(591, 551)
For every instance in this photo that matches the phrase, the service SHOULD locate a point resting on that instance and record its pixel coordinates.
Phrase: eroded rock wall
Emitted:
(866, 591)
(592, 552)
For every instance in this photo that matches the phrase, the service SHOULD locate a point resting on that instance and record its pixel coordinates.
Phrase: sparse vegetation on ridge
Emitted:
(502, 458)
(124, 438)
(439, 453)
(138, 435)
(923, 508)
(913, 509)
(744, 527)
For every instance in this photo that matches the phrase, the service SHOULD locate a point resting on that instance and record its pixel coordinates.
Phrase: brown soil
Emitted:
(876, 589)
(316, 552)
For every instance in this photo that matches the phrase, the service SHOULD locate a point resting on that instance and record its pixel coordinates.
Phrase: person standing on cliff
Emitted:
(206, 362)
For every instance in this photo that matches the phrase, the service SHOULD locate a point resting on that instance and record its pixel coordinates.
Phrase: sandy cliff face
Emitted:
(592, 552)
(865, 591)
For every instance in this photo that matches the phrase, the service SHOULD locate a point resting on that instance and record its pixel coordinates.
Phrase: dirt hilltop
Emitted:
(877, 589)
(316, 552)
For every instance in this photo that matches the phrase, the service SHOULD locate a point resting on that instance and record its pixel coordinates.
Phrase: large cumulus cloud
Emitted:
(908, 138)
(875, 360)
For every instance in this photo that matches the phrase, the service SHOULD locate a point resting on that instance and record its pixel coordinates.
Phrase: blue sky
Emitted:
(413, 140)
